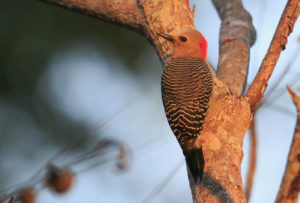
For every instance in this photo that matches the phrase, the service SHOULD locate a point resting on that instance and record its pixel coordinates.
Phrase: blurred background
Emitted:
(66, 77)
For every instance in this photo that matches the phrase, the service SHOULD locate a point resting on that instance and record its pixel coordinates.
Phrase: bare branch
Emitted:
(284, 28)
(237, 34)
(121, 12)
(158, 188)
(252, 161)
(279, 80)
(295, 99)
(147, 17)
(290, 185)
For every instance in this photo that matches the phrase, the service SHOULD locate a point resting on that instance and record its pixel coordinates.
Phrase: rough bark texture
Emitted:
(237, 34)
(223, 148)
(290, 185)
(229, 115)
(284, 28)
(169, 16)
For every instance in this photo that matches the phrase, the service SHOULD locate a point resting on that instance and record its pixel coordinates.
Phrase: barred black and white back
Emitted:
(187, 85)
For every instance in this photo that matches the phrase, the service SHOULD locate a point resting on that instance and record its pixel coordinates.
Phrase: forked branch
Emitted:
(227, 122)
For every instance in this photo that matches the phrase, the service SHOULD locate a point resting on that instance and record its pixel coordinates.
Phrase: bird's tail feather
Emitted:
(195, 162)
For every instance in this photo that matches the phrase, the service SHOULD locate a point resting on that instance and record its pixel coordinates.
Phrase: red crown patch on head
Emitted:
(203, 47)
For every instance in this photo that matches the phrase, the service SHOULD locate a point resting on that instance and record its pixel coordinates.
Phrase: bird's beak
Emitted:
(166, 36)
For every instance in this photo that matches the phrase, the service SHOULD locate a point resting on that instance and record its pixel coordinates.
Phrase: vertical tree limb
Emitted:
(237, 35)
(222, 144)
(285, 27)
(252, 161)
(290, 185)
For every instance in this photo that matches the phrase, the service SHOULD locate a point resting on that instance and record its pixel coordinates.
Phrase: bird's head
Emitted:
(187, 43)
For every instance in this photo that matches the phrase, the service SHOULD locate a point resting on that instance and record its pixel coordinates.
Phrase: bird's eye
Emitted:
(182, 39)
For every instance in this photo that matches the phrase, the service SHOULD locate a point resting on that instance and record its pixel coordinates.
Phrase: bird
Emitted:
(187, 87)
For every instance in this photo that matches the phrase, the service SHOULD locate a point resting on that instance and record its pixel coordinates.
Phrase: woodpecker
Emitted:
(187, 86)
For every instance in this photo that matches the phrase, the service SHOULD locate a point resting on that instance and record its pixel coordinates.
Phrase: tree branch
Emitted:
(284, 28)
(237, 35)
(167, 16)
(121, 12)
(147, 17)
(267, 98)
(290, 185)
(252, 161)
(228, 117)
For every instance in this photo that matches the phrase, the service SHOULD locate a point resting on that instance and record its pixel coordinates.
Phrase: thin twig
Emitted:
(252, 161)
(164, 182)
(285, 27)
(290, 185)
(279, 93)
(91, 133)
(282, 110)
(107, 160)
